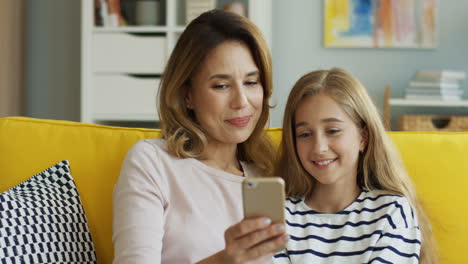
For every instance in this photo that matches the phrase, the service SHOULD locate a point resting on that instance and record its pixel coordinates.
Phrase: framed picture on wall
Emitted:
(380, 23)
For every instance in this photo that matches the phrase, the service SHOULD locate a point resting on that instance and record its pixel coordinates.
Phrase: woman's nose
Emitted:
(239, 97)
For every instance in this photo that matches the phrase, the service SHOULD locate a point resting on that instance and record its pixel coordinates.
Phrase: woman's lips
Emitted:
(239, 121)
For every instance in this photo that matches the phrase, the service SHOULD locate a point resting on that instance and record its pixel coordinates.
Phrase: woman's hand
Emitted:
(250, 241)
(253, 241)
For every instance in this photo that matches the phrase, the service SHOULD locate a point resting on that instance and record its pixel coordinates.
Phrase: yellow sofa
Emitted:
(437, 162)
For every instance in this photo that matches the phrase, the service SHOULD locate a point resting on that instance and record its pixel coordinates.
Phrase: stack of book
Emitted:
(436, 85)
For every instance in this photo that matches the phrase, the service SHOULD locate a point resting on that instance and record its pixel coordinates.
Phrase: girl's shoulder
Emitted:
(380, 196)
(395, 207)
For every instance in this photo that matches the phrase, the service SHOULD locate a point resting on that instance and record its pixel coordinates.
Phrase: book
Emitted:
(424, 91)
(97, 13)
(444, 84)
(439, 75)
(433, 97)
(103, 13)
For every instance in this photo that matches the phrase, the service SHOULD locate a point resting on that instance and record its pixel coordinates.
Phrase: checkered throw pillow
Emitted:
(42, 221)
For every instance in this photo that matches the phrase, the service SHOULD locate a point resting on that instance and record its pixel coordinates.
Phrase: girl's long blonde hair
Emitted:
(184, 136)
(380, 166)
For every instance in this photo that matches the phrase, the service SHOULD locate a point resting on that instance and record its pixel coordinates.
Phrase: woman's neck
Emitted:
(223, 157)
(332, 198)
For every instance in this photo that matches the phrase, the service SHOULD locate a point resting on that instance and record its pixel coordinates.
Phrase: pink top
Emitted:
(170, 210)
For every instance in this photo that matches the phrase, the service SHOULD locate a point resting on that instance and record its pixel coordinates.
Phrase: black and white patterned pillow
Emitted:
(42, 221)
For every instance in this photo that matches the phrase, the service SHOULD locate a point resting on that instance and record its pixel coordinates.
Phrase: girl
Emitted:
(351, 200)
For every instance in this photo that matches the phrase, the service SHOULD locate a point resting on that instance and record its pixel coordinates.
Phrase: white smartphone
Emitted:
(264, 197)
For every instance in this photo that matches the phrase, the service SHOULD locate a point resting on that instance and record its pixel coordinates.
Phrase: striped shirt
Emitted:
(376, 228)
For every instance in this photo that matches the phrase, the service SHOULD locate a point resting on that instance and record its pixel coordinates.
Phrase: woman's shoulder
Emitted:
(152, 150)
(148, 146)
(149, 143)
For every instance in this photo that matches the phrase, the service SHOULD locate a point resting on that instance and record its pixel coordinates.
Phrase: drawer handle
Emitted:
(144, 76)
(146, 34)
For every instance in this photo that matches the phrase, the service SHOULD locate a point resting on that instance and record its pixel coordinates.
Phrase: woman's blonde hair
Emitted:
(380, 166)
(184, 137)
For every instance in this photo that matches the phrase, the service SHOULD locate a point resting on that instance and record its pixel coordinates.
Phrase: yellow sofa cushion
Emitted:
(437, 162)
(438, 166)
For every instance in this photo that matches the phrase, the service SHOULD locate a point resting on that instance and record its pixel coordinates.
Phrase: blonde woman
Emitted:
(351, 200)
(178, 199)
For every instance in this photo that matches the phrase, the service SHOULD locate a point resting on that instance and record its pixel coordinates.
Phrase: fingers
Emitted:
(269, 247)
(250, 240)
(245, 227)
(253, 239)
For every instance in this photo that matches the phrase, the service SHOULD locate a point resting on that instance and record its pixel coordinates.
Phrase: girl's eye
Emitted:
(304, 135)
(333, 131)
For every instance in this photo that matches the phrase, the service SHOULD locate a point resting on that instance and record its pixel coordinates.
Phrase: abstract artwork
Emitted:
(380, 23)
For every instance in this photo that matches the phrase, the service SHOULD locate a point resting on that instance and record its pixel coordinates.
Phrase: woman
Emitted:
(178, 199)
(351, 198)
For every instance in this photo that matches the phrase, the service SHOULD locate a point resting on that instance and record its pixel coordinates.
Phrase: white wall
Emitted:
(53, 59)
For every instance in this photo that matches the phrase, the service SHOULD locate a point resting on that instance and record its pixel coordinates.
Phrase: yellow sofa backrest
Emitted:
(437, 162)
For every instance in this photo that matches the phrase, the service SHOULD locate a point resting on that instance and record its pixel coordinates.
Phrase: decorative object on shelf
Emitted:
(433, 123)
(194, 8)
(236, 7)
(115, 14)
(380, 24)
(436, 85)
(148, 12)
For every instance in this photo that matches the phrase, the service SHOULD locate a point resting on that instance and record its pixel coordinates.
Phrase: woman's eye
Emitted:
(251, 83)
(220, 86)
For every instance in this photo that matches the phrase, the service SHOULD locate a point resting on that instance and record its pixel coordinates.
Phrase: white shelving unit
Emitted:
(121, 66)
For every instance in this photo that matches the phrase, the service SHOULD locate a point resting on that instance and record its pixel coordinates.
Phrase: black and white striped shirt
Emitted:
(376, 228)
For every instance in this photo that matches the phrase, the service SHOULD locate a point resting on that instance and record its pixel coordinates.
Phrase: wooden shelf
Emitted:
(405, 102)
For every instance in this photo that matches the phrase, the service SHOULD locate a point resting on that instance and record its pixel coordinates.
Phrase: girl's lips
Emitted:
(239, 121)
(323, 164)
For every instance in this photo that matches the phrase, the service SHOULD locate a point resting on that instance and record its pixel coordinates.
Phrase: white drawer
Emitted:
(124, 97)
(127, 53)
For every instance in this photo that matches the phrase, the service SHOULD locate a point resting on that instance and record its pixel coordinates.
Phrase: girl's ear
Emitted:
(364, 138)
